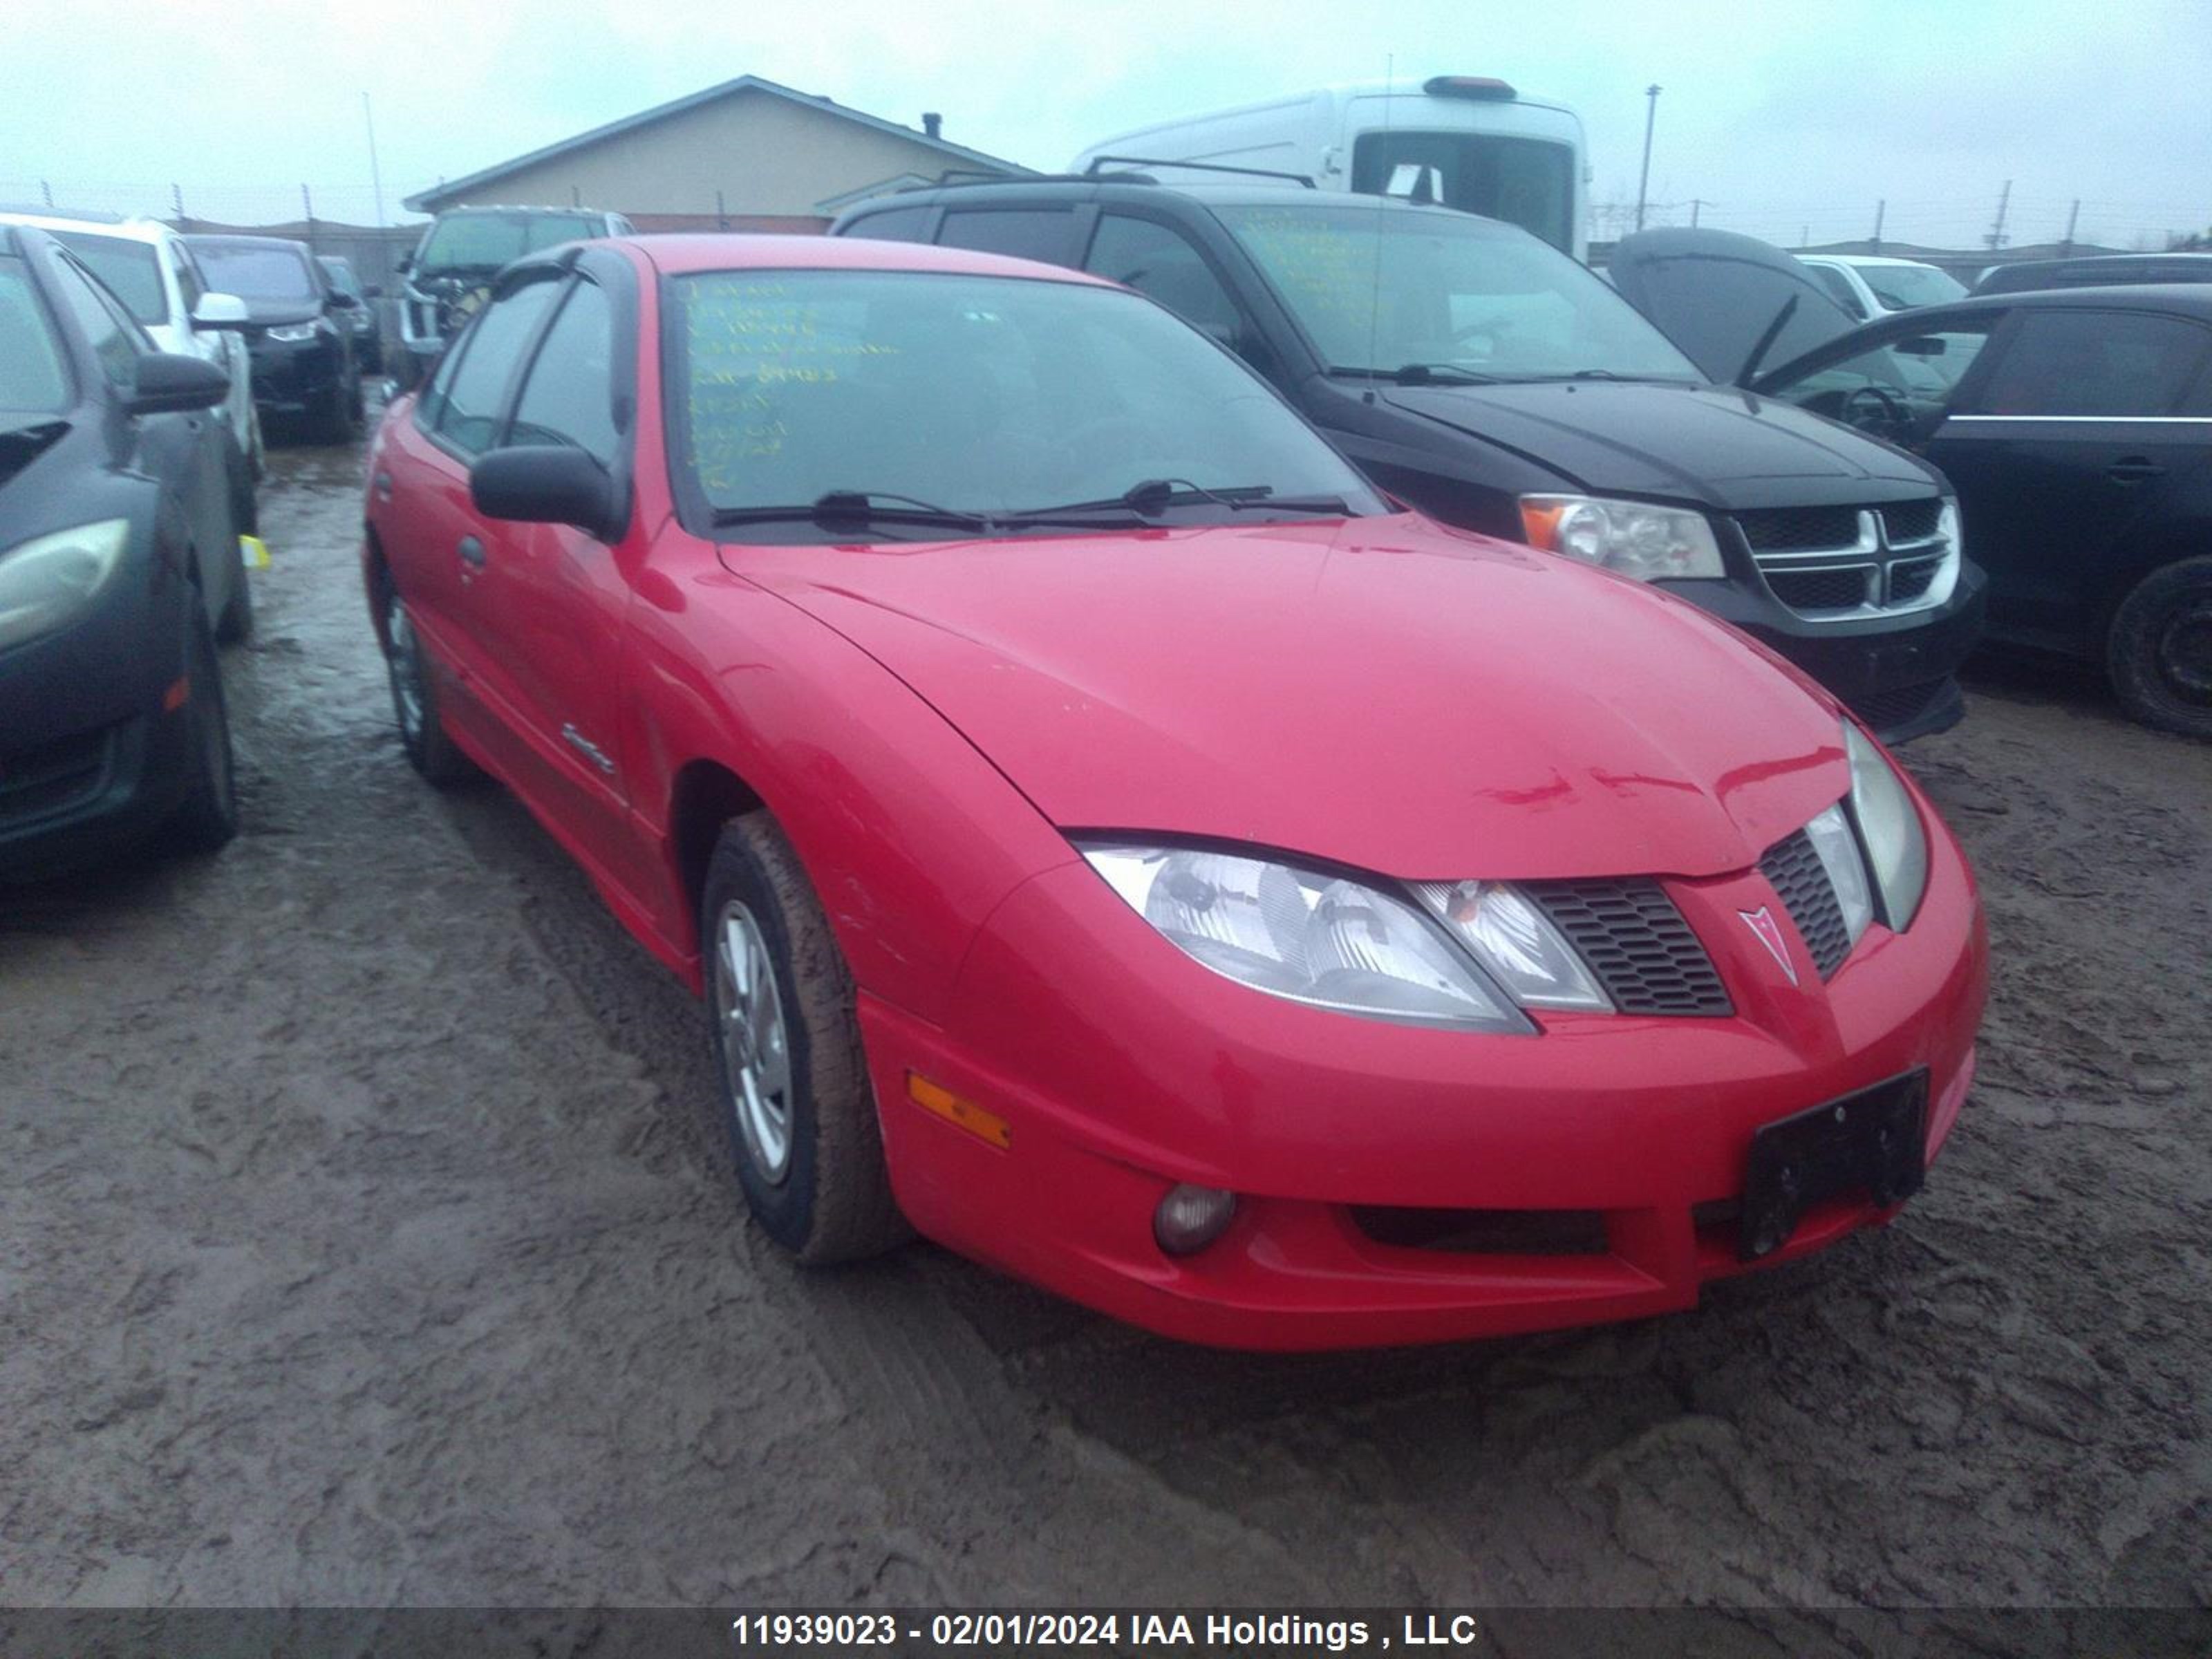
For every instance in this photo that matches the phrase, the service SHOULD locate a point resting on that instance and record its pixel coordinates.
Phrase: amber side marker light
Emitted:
(175, 696)
(961, 1113)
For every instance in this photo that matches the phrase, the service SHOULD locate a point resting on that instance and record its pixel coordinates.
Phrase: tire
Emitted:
(422, 734)
(827, 1197)
(2159, 651)
(336, 424)
(236, 621)
(207, 819)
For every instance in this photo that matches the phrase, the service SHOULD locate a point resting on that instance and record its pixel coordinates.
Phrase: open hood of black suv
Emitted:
(1715, 294)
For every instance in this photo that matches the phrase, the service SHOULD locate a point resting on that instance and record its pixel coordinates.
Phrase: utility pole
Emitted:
(1650, 118)
(1695, 203)
(2074, 213)
(308, 213)
(46, 191)
(1996, 236)
(177, 202)
(1881, 209)
(375, 173)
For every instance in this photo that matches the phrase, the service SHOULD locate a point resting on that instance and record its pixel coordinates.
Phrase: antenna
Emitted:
(1374, 287)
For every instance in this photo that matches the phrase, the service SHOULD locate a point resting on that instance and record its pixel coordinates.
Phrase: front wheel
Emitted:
(2158, 652)
(786, 1045)
(415, 701)
(207, 816)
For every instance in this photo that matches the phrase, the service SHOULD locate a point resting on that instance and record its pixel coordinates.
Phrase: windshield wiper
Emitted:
(858, 507)
(1151, 497)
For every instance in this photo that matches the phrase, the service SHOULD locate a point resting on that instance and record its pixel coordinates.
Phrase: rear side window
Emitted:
(2095, 362)
(1025, 233)
(570, 395)
(32, 378)
(130, 269)
(467, 414)
(1157, 261)
(104, 323)
(906, 224)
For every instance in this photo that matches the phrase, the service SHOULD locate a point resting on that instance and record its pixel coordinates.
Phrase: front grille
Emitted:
(1801, 881)
(1886, 711)
(1909, 579)
(1911, 521)
(36, 783)
(1484, 1232)
(1799, 529)
(1821, 590)
(1637, 944)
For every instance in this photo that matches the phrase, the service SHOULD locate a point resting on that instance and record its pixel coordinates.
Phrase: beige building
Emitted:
(748, 154)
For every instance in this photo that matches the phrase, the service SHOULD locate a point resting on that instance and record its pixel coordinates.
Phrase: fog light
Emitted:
(1191, 1218)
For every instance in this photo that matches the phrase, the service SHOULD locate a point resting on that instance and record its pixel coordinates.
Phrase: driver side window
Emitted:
(1912, 375)
(463, 405)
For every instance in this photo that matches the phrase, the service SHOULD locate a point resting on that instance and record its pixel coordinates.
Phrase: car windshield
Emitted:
(256, 273)
(33, 380)
(979, 394)
(128, 269)
(1901, 287)
(1380, 288)
(486, 241)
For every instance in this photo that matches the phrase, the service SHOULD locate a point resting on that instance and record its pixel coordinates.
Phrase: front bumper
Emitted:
(95, 753)
(294, 379)
(1156, 1072)
(1899, 674)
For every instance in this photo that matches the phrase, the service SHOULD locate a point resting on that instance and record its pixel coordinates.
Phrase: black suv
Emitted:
(300, 340)
(1487, 378)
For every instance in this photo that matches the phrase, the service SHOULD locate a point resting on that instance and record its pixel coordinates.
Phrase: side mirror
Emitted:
(342, 301)
(544, 483)
(403, 263)
(170, 382)
(221, 311)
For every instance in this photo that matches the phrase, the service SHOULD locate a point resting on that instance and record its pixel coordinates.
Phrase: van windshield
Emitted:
(1380, 288)
(1528, 182)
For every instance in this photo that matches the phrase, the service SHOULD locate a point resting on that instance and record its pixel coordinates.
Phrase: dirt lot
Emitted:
(366, 1239)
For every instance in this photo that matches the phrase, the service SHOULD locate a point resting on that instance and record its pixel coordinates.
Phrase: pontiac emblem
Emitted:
(1761, 922)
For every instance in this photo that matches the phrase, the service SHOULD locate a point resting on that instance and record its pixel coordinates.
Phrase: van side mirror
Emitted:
(221, 311)
(545, 483)
(342, 301)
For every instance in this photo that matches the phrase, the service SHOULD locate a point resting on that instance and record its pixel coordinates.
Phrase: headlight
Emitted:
(1517, 942)
(44, 583)
(1308, 936)
(1632, 538)
(293, 333)
(1890, 830)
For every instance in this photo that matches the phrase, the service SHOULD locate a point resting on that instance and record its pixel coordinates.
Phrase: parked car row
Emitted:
(120, 568)
(2074, 426)
(1112, 836)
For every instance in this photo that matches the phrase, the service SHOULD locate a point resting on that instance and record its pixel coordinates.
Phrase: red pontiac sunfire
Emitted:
(1113, 841)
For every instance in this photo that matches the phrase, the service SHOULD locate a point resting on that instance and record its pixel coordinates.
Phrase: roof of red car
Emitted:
(742, 250)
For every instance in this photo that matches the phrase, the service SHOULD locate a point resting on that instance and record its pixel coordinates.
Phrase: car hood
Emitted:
(1715, 293)
(271, 314)
(1382, 693)
(1715, 446)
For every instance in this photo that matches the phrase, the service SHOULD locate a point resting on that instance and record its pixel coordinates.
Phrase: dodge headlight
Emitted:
(293, 333)
(1890, 830)
(46, 582)
(1306, 935)
(1632, 538)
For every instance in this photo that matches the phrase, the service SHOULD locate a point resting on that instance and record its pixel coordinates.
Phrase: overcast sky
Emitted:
(1788, 120)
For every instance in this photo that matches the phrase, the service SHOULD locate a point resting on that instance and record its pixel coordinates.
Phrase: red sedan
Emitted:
(1114, 841)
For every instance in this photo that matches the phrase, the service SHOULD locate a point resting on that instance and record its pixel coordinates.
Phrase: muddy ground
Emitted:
(365, 1238)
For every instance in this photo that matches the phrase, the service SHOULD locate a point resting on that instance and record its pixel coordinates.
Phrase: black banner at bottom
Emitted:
(933, 1633)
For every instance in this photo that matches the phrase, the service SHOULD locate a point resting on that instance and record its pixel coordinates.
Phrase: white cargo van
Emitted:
(1464, 141)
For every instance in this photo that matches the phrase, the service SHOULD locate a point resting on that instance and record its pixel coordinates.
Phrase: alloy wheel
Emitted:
(755, 1048)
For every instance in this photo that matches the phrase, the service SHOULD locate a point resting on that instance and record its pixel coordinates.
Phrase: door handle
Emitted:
(2134, 469)
(472, 553)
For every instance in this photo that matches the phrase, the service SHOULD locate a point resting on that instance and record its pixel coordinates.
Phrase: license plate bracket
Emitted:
(1874, 1140)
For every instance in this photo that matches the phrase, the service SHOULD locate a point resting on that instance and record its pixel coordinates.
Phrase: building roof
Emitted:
(427, 201)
